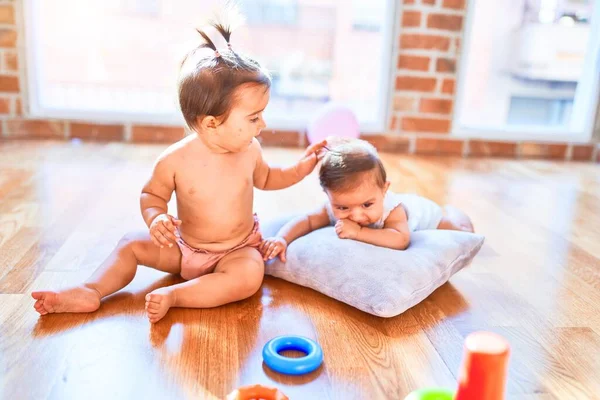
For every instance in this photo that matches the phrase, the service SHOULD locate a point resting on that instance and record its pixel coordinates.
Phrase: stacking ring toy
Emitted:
(431, 394)
(292, 366)
(256, 392)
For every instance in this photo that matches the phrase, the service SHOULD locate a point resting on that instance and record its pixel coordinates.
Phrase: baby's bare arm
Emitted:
(394, 235)
(159, 188)
(303, 225)
(274, 178)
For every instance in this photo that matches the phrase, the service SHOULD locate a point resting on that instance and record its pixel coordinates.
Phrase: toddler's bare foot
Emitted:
(461, 219)
(158, 303)
(456, 220)
(77, 299)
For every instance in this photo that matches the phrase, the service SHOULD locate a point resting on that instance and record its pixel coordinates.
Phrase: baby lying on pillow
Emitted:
(362, 208)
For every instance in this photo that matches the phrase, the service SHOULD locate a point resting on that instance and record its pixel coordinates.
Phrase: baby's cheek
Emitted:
(339, 214)
(376, 214)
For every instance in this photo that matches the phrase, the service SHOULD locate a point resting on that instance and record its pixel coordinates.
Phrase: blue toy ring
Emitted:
(292, 366)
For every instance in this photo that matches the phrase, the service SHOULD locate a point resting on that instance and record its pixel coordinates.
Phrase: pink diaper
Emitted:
(198, 262)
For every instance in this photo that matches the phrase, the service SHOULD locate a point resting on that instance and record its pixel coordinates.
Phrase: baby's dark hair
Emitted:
(208, 80)
(344, 166)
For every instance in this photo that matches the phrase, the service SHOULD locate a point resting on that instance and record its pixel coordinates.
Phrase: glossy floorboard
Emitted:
(63, 206)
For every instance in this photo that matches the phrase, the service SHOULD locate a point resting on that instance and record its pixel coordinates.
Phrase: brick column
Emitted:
(597, 124)
(596, 135)
(11, 83)
(427, 51)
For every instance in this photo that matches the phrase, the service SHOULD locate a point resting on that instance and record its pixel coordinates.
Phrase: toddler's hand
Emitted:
(163, 230)
(311, 157)
(271, 247)
(347, 229)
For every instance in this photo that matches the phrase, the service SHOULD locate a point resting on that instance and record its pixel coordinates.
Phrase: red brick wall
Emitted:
(427, 50)
(596, 136)
(10, 68)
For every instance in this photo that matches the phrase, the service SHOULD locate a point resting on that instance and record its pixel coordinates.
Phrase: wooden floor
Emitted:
(536, 281)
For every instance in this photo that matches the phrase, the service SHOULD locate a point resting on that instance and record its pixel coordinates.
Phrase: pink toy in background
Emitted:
(333, 120)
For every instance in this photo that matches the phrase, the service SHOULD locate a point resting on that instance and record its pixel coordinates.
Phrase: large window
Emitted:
(117, 60)
(530, 69)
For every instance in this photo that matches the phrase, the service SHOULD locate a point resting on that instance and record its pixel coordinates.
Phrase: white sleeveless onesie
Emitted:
(422, 213)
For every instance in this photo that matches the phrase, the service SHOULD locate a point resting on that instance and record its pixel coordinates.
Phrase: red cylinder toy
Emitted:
(484, 367)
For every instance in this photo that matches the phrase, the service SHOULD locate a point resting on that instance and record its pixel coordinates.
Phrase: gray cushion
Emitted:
(377, 280)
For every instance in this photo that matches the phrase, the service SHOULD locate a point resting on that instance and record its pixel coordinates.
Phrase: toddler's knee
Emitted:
(249, 288)
(252, 279)
(130, 241)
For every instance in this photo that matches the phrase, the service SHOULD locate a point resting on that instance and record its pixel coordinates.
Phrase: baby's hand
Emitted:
(271, 247)
(347, 229)
(163, 230)
(311, 157)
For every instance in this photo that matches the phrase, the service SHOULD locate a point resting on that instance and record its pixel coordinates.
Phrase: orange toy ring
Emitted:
(257, 392)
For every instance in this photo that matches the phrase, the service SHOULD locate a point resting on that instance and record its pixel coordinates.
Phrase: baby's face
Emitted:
(363, 205)
(245, 120)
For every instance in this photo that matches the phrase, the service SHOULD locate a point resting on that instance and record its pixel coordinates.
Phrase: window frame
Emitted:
(36, 110)
(590, 80)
